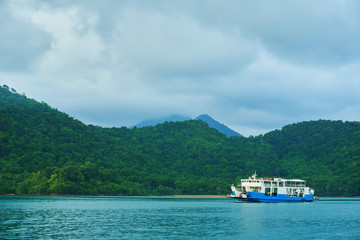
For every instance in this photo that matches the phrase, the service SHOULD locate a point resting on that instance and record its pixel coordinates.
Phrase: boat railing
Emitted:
(267, 184)
(293, 184)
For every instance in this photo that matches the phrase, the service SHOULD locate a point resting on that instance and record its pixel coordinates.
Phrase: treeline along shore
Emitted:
(44, 151)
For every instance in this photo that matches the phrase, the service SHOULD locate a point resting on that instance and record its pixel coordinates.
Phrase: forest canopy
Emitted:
(43, 151)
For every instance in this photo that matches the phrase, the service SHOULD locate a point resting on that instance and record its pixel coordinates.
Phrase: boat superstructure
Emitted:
(272, 190)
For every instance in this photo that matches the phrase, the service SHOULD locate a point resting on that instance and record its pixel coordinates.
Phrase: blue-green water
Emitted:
(59, 217)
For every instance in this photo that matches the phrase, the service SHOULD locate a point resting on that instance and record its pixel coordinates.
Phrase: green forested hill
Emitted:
(45, 151)
(326, 152)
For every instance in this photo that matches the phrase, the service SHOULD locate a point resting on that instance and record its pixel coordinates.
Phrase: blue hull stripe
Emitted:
(261, 197)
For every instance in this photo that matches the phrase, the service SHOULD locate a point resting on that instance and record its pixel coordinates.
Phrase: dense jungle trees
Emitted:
(45, 151)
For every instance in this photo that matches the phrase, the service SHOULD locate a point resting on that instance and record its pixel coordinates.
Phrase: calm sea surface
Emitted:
(59, 217)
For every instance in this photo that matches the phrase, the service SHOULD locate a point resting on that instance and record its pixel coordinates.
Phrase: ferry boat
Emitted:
(256, 189)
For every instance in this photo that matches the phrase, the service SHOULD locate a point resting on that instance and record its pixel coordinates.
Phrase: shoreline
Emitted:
(213, 196)
(175, 195)
(113, 195)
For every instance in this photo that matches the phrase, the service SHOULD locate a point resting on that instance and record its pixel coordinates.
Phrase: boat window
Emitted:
(275, 191)
(267, 184)
(267, 191)
(281, 184)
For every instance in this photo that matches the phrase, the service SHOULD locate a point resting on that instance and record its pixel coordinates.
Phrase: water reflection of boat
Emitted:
(256, 189)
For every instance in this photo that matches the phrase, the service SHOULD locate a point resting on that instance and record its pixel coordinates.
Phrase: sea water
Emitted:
(78, 217)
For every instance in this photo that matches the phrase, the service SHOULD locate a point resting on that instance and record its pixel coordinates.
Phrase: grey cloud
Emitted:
(252, 65)
(306, 32)
(176, 46)
(21, 42)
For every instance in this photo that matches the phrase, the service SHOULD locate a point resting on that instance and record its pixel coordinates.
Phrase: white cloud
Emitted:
(76, 48)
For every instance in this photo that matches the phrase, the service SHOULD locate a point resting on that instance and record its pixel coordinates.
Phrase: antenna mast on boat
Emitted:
(254, 175)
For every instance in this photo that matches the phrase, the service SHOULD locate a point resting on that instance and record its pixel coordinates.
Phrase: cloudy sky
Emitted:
(255, 66)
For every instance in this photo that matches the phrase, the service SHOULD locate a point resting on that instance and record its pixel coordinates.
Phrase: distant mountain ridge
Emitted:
(155, 121)
(176, 118)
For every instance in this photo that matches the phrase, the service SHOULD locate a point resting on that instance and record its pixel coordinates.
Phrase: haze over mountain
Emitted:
(204, 117)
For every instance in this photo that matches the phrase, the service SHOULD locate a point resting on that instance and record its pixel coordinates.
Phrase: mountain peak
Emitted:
(203, 117)
(217, 125)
